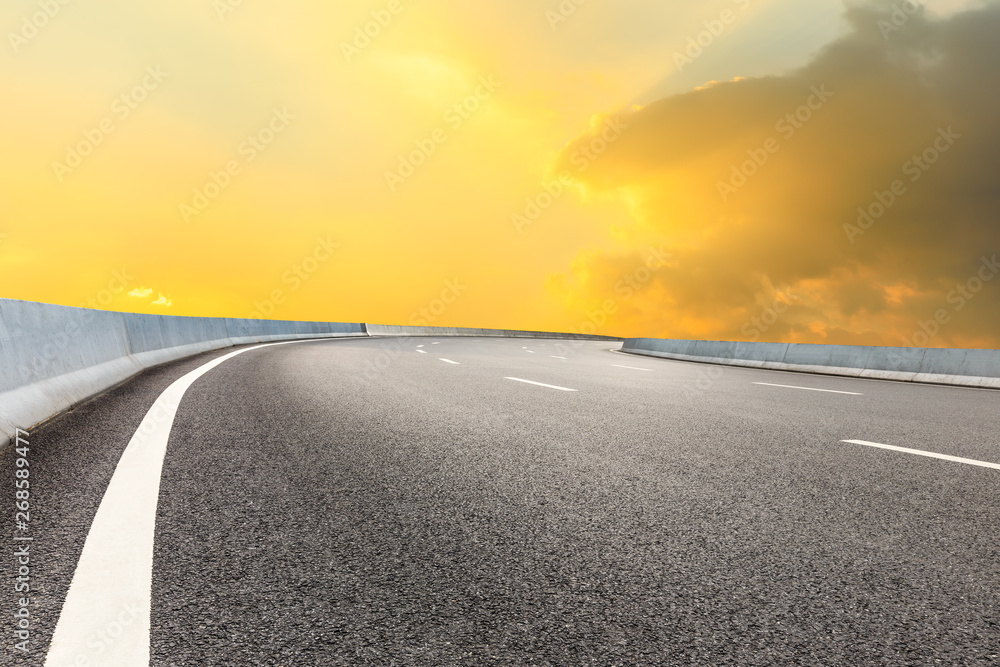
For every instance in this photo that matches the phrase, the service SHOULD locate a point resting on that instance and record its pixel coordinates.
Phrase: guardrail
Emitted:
(967, 368)
(394, 330)
(53, 357)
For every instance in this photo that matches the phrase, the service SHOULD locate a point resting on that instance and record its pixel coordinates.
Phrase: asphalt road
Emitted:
(364, 501)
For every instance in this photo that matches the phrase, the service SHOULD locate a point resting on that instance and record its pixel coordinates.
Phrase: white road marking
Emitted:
(422, 351)
(449, 361)
(555, 357)
(634, 368)
(115, 570)
(920, 452)
(829, 391)
(437, 343)
(419, 345)
(540, 384)
(529, 351)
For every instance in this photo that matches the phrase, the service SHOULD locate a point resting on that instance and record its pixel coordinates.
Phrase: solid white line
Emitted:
(555, 357)
(422, 351)
(829, 391)
(540, 384)
(634, 368)
(449, 361)
(114, 576)
(920, 452)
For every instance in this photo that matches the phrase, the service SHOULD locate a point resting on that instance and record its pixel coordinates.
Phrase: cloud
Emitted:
(861, 192)
(143, 292)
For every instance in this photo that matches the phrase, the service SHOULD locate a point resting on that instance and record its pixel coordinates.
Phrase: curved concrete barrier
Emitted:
(968, 368)
(396, 330)
(53, 357)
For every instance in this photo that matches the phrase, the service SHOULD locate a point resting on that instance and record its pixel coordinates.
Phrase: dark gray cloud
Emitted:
(754, 186)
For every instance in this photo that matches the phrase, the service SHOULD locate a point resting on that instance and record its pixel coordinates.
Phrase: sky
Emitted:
(775, 170)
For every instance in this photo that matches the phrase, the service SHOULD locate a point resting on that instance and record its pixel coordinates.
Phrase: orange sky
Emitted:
(529, 164)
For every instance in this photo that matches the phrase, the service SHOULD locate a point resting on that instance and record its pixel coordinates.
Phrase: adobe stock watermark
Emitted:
(915, 168)
(223, 8)
(625, 288)
(249, 149)
(769, 316)
(957, 298)
(454, 117)
(787, 126)
(714, 28)
(119, 282)
(753, 328)
(53, 350)
(535, 205)
(101, 641)
(388, 352)
(901, 13)
(562, 13)
(366, 34)
(121, 109)
(708, 374)
(32, 25)
(425, 316)
(22, 541)
(584, 156)
(295, 277)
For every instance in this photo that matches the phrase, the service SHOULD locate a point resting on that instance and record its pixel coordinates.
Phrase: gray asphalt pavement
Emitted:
(364, 502)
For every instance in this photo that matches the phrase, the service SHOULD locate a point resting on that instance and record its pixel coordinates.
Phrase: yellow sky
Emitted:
(218, 157)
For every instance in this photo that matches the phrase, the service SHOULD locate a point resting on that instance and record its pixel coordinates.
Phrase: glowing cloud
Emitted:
(852, 201)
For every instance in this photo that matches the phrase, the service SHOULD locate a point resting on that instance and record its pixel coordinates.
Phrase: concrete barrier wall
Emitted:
(970, 368)
(53, 357)
(397, 330)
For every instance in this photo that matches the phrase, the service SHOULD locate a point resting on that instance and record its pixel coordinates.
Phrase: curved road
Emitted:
(396, 501)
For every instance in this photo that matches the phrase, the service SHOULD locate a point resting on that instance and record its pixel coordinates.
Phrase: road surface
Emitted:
(475, 501)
